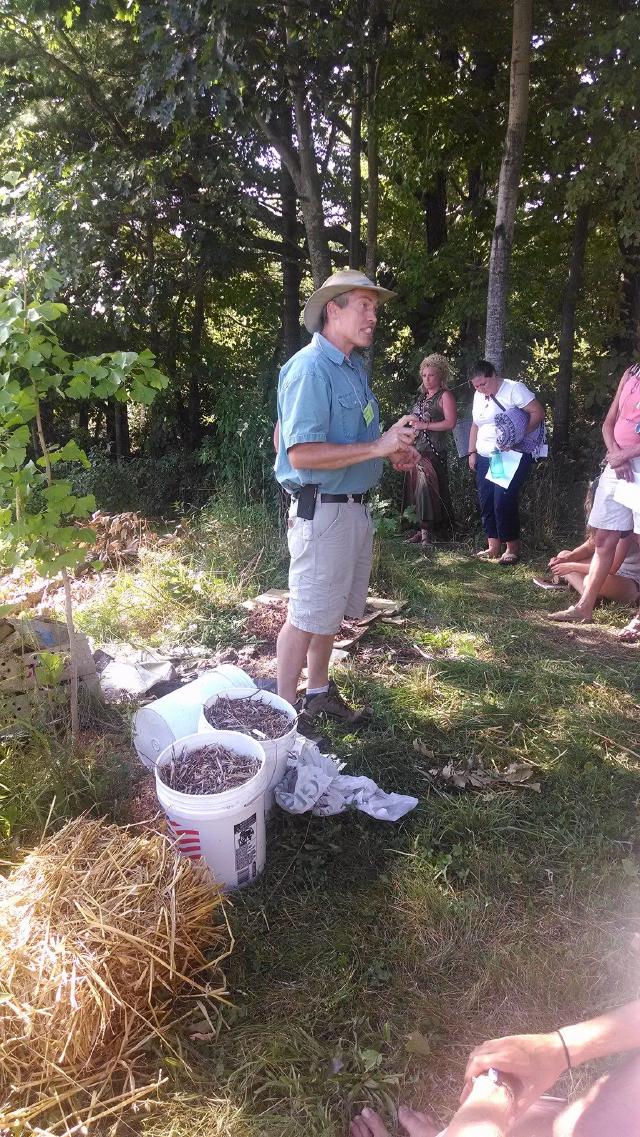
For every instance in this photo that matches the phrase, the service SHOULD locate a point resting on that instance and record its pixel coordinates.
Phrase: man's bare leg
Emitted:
(318, 658)
(293, 645)
(606, 541)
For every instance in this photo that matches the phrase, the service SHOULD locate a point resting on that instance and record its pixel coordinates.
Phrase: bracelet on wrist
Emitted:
(565, 1048)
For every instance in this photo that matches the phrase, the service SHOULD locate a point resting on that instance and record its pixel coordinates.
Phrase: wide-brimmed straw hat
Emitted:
(336, 285)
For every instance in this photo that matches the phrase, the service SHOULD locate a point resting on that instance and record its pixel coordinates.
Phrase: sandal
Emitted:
(631, 633)
(486, 555)
(509, 559)
(569, 615)
(415, 539)
(555, 582)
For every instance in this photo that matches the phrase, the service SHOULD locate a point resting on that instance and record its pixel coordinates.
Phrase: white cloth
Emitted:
(615, 505)
(313, 783)
(512, 393)
(510, 463)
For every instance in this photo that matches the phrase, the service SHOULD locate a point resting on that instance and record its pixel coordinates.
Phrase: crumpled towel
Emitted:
(313, 782)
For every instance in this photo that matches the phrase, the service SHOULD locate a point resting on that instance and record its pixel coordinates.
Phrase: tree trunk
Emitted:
(567, 330)
(291, 271)
(121, 430)
(194, 408)
(509, 182)
(310, 187)
(627, 340)
(355, 260)
(373, 177)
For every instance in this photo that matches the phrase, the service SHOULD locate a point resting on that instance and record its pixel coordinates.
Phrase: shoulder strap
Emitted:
(497, 402)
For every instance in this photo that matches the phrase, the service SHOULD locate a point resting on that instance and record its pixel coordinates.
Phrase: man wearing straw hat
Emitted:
(329, 457)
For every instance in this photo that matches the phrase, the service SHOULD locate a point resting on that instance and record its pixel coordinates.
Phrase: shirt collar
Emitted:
(328, 348)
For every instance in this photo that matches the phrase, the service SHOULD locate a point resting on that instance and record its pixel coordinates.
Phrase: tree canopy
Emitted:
(192, 171)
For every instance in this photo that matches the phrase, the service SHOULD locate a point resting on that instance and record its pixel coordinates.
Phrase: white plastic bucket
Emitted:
(174, 716)
(275, 749)
(227, 829)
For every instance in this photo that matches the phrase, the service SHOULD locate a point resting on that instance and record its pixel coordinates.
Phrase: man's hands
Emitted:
(537, 1060)
(473, 458)
(400, 436)
(405, 459)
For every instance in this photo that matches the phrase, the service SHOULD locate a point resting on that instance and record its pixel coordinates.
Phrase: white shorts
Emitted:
(607, 513)
(330, 566)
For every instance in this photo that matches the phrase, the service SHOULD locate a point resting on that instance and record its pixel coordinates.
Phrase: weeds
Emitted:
(370, 958)
(190, 592)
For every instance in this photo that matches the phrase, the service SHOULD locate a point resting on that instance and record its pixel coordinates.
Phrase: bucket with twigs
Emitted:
(261, 715)
(211, 788)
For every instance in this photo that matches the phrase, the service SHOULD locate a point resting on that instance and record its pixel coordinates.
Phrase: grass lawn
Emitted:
(370, 958)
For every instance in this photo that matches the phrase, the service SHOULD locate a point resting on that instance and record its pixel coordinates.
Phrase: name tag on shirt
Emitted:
(367, 413)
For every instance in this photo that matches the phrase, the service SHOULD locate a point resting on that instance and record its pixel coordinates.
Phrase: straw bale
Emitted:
(102, 929)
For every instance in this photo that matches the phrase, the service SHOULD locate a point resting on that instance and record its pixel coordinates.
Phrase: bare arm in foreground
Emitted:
(538, 1060)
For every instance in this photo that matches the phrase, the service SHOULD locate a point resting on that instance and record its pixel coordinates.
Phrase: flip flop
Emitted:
(485, 555)
(509, 559)
(631, 633)
(569, 615)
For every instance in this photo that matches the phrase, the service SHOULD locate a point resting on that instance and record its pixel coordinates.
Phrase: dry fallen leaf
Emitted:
(471, 773)
(416, 1043)
(422, 748)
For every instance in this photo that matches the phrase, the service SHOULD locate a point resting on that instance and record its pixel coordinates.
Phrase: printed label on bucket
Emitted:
(244, 842)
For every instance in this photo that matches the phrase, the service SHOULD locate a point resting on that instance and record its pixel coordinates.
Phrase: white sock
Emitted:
(317, 690)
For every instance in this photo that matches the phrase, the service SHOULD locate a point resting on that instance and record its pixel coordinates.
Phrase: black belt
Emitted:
(360, 498)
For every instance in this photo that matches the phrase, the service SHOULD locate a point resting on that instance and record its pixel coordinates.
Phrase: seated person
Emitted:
(506, 1078)
(621, 584)
(572, 565)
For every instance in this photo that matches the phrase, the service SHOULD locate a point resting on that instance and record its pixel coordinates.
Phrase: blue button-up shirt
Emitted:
(322, 395)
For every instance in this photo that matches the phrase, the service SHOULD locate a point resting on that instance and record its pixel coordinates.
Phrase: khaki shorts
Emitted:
(330, 566)
(607, 513)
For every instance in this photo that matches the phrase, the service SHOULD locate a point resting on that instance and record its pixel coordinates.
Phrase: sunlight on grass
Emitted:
(479, 913)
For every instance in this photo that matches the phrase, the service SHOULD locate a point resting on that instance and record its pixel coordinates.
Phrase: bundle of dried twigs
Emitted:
(102, 928)
(250, 715)
(208, 770)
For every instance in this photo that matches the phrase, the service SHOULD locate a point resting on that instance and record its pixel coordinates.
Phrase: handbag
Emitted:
(512, 434)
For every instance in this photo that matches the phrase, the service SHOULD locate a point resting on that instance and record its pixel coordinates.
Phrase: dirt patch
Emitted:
(250, 715)
(144, 807)
(265, 621)
(208, 770)
(596, 640)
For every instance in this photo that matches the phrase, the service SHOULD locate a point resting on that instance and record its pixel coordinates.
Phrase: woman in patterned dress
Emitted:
(434, 414)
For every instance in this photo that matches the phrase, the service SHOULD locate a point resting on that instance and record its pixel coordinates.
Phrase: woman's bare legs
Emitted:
(620, 588)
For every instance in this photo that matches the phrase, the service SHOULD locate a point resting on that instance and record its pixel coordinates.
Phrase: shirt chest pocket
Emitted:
(350, 414)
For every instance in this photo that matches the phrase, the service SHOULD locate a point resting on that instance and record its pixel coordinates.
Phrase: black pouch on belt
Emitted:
(307, 502)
